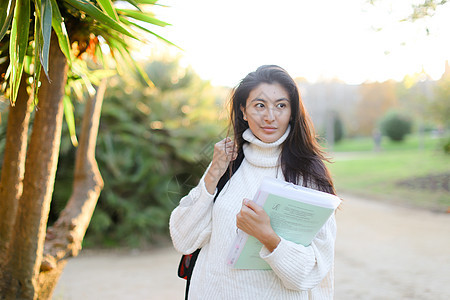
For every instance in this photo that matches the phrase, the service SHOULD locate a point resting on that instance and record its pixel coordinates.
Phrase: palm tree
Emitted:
(58, 37)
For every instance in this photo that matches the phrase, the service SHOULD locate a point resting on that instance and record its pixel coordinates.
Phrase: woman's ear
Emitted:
(243, 113)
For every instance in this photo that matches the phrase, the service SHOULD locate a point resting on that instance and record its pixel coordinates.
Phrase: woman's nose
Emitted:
(269, 115)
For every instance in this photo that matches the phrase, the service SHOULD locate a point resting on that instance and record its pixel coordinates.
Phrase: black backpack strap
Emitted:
(187, 262)
(225, 177)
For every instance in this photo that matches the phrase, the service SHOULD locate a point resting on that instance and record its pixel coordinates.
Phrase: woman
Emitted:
(274, 136)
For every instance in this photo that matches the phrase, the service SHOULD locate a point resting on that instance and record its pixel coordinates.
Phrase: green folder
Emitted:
(296, 214)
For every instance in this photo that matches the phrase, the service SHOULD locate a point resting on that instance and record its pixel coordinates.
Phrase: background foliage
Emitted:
(400, 173)
(395, 125)
(153, 145)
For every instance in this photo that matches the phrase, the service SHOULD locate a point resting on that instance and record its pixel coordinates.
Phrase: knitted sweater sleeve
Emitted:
(300, 267)
(190, 221)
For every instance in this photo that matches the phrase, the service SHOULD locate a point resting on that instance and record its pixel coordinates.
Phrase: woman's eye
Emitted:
(281, 105)
(259, 105)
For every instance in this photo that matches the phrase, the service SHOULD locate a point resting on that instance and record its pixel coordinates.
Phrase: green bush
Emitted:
(395, 126)
(153, 145)
(446, 146)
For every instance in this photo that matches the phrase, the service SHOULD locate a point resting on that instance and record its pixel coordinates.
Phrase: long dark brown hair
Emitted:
(301, 155)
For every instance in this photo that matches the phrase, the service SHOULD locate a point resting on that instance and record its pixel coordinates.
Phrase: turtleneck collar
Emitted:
(262, 154)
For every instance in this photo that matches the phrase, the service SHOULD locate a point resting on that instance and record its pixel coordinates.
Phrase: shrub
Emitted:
(152, 147)
(395, 125)
(446, 145)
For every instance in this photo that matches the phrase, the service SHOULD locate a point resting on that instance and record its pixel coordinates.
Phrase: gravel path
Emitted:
(382, 252)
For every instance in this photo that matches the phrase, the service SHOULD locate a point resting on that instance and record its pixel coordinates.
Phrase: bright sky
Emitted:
(315, 39)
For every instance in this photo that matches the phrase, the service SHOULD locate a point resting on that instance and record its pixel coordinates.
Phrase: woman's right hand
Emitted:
(224, 153)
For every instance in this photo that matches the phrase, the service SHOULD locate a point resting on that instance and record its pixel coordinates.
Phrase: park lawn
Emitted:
(411, 142)
(377, 175)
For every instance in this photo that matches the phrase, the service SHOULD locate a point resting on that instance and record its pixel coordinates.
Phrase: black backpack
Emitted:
(187, 262)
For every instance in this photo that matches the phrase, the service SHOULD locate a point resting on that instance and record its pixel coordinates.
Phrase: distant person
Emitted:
(376, 134)
(273, 136)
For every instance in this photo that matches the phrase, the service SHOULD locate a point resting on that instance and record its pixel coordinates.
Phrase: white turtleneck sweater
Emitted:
(298, 272)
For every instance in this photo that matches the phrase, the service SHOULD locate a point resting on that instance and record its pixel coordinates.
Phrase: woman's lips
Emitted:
(269, 129)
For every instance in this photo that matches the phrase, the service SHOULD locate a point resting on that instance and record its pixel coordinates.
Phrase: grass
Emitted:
(359, 170)
(411, 142)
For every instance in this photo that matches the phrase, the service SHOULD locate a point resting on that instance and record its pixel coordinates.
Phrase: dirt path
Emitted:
(382, 252)
(391, 252)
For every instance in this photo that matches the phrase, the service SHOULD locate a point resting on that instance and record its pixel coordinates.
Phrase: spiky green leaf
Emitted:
(96, 76)
(135, 4)
(129, 23)
(98, 15)
(37, 61)
(125, 53)
(114, 45)
(145, 17)
(6, 16)
(107, 7)
(76, 88)
(46, 27)
(3, 11)
(18, 44)
(99, 55)
(61, 32)
(70, 119)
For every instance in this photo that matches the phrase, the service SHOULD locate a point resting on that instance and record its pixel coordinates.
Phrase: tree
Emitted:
(53, 37)
(395, 126)
(376, 99)
(439, 107)
(420, 9)
(426, 8)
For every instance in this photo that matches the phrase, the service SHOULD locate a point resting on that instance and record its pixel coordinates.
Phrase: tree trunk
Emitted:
(20, 275)
(13, 165)
(65, 237)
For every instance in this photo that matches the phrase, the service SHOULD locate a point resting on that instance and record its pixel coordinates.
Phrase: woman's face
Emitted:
(268, 111)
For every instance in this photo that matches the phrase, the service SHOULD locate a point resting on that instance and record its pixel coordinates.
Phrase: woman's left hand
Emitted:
(253, 220)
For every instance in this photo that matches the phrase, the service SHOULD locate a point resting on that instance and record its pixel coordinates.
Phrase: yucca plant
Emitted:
(42, 43)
